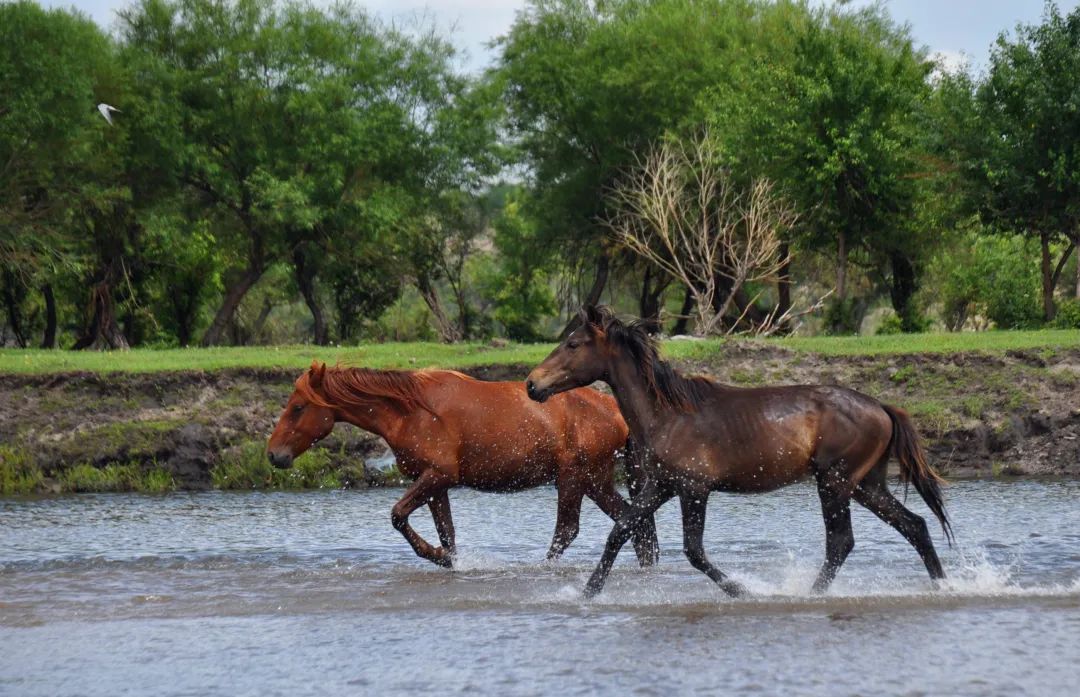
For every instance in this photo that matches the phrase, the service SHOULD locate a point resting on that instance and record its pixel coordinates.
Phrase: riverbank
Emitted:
(1011, 412)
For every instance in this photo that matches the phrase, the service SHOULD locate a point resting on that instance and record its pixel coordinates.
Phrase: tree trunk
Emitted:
(841, 267)
(11, 304)
(260, 321)
(649, 300)
(684, 313)
(1047, 278)
(1061, 263)
(603, 267)
(48, 341)
(305, 279)
(102, 333)
(464, 315)
(233, 297)
(447, 331)
(903, 289)
(783, 281)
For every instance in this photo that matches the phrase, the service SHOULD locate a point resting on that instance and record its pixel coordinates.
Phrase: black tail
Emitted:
(915, 469)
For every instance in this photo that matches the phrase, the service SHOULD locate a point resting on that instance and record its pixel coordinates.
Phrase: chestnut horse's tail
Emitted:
(914, 468)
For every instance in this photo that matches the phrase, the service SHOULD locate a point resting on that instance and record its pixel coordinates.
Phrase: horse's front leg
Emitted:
(651, 497)
(693, 521)
(444, 523)
(425, 489)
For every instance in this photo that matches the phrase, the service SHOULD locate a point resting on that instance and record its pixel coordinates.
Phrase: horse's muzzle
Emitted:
(536, 394)
(280, 460)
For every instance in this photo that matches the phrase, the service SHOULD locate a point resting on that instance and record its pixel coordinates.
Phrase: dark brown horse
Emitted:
(702, 436)
(447, 429)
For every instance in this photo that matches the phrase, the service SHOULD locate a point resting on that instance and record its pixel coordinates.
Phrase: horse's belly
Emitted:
(507, 476)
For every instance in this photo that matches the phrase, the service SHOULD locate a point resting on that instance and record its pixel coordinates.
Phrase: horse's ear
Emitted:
(592, 317)
(318, 370)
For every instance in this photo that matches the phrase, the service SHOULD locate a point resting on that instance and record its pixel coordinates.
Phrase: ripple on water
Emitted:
(326, 593)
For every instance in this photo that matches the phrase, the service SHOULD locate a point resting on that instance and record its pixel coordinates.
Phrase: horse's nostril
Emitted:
(529, 385)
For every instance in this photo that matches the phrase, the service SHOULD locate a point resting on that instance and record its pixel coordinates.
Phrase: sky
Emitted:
(955, 29)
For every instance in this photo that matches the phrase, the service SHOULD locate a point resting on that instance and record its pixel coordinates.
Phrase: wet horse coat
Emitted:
(701, 436)
(447, 429)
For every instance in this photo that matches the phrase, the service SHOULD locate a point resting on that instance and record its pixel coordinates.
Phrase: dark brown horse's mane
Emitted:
(342, 386)
(665, 384)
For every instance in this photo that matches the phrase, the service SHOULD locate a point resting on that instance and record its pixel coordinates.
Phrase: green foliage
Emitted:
(891, 325)
(1068, 315)
(110, 478)
(516, 285)
(990, 276)
(247, 467)
(19, 472)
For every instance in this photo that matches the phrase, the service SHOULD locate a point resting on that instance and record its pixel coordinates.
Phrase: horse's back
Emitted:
(761, 438)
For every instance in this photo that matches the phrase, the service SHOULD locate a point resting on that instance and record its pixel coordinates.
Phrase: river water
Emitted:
(315, 593)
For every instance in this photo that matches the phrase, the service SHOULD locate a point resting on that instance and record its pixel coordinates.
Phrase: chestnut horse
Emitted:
(447, 429)
(701, 436)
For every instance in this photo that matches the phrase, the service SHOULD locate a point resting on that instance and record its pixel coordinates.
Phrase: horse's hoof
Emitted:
(590, 591)
(443, 558)
(734, 589)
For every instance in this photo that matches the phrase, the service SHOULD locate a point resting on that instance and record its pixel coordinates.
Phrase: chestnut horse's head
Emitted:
(307, 418)
(581, 359)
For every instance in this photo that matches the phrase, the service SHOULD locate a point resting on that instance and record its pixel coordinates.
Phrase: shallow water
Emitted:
(315, 593)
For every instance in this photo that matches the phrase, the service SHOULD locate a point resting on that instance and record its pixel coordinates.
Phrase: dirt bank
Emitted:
(1009, 414)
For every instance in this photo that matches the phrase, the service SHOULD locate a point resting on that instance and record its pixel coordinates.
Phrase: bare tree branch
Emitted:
(678, 209)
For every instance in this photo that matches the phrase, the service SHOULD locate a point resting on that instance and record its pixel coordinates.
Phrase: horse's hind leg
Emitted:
(426, 488)
(839, 539)
(568, 517)
(444, 522)
(693, 520)
(873, 493)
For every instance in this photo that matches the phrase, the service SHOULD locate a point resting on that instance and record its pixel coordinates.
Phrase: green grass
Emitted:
(19, 473)
(994, 341)
(396, 355)
(115, 477)
(247, 467)
(431, 355)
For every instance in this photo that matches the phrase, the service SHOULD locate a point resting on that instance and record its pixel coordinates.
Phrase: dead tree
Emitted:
(680, 210)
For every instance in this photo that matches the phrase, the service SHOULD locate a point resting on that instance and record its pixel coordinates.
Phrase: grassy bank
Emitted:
(430, 355)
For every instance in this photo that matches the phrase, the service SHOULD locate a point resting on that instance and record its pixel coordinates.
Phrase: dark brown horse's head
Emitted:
(581, 359)
(307, 418)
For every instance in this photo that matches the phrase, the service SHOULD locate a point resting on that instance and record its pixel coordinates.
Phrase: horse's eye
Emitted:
(572, 344)
(297, 408)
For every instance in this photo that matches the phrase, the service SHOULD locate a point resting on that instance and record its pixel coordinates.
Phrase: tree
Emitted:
(285, 120)
(55, 67)
(831, 115)
(589, 84)
(680, 210)
(1028, 139)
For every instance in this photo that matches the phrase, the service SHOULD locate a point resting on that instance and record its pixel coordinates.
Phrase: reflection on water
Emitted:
(309, 593)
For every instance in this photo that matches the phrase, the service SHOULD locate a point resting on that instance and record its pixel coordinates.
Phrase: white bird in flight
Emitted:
(105, 109)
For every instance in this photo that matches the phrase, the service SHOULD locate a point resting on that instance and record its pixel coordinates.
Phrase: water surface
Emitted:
(315, 593)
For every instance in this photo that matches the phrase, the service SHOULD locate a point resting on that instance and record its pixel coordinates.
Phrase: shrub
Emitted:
(1068, 314)
(19, 473)
(247, 467)
(87, 478)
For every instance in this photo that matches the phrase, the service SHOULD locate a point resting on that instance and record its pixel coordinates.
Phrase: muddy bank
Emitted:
(1010, 414)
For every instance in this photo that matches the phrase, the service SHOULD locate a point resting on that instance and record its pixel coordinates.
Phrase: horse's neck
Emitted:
(382, 416)
(632, 394)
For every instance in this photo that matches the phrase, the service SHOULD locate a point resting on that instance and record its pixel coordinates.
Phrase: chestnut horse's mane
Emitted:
(342, 386)
(665, 384)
